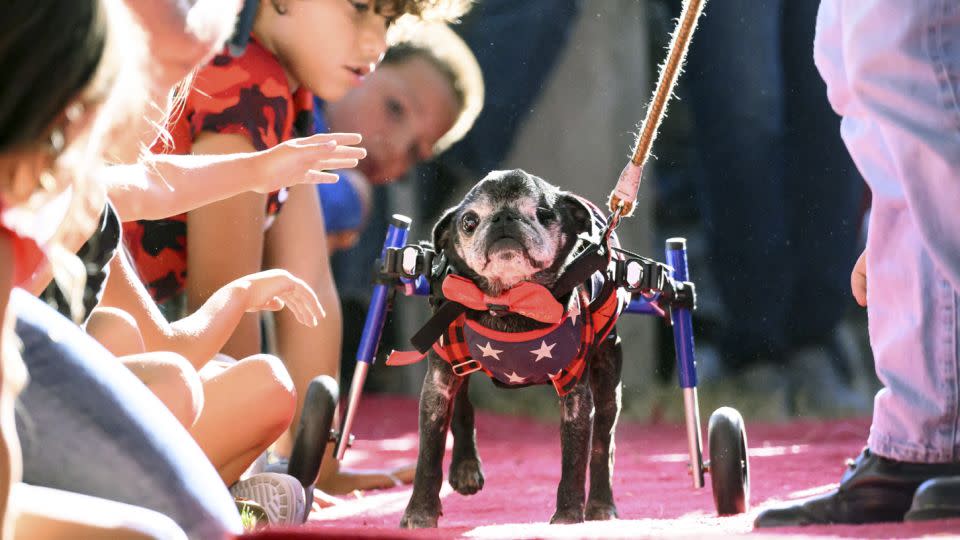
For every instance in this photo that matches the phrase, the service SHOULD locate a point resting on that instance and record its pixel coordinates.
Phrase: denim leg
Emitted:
(891, 69)
(736, 84)
(88, 426)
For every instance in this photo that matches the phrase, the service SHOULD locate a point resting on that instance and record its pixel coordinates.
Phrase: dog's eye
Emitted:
(545, 215)
(469, 222)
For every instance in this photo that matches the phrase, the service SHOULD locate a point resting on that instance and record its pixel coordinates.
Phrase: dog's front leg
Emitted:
(466, 473)
(605, 370)
(440, 386)
(576, 427)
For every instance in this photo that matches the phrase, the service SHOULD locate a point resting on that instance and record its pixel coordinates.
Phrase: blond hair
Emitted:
(102, 96)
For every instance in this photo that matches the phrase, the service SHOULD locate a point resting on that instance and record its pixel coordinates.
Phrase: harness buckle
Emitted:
(466, 368)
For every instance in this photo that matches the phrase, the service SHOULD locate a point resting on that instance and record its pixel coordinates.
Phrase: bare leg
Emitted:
(247, 406)
(116, 330)
(168, 375)
(172, 379)
(295, 243)
(308, 352)
(51, 513)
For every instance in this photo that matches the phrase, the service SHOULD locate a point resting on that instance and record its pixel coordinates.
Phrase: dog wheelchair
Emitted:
(655, 289)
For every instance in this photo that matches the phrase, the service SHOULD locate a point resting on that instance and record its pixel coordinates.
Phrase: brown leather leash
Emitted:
(624, 195)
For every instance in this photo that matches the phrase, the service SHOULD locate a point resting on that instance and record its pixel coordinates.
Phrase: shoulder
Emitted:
(248, 95)
(226, 74)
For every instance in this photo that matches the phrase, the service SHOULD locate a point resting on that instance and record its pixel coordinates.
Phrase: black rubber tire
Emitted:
(729, 463)
(313, 433)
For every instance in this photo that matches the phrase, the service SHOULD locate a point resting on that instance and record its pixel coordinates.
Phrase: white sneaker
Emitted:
(281, 495)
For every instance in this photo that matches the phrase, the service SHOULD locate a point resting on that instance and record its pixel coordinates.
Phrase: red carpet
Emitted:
(654, 495)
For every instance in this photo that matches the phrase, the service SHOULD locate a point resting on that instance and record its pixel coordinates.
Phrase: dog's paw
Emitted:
(567, 516)
(421, 516)
(466, 476)
(415, 519)
(597, 511)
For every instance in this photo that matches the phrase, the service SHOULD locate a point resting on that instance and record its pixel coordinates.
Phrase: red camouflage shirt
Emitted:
(248, 96)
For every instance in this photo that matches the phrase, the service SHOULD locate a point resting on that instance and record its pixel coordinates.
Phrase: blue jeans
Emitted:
(779, 196)
(88, 426)
(892, 72)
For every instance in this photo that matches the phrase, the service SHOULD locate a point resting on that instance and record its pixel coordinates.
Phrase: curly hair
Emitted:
(428, 10)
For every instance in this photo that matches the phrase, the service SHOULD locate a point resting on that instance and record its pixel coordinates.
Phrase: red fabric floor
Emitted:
(653, 492)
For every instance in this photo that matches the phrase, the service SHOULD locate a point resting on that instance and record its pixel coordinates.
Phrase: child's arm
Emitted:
(200, 336)
(9, 460)
(166, 185)
(225, 242)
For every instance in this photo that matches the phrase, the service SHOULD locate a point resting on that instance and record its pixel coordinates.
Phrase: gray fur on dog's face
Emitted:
(511, 227)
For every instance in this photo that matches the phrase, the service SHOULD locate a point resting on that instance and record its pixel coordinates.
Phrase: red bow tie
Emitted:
(527, 299)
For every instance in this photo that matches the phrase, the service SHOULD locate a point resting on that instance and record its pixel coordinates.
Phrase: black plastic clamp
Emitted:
(684, 295)
(409, 262)
(640, 275)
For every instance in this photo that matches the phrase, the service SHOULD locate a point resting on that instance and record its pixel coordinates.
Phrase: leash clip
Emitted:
(613, 222)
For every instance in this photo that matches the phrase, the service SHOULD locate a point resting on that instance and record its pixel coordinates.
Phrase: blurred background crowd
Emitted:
(749, 167)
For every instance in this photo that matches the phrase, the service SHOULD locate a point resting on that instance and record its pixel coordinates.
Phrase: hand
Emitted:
(858, 279)
(272, 290)
(303, 160)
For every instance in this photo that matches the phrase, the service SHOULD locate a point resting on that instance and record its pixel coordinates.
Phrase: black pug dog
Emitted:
(511, 228)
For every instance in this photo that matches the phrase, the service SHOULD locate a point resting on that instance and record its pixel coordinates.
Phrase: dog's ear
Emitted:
(441, 231)
(580, 214)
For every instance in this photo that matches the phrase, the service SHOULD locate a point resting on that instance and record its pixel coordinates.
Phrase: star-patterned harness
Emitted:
(556, 354)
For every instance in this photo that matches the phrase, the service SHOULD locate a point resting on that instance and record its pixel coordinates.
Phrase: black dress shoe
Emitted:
(938, 498)
(873, 489)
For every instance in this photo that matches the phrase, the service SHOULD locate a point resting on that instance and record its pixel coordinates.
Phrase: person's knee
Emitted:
(116, 330)
(174, 380)
(272, 388)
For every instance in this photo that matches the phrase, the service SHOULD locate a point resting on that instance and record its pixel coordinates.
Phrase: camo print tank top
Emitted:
(248, 96)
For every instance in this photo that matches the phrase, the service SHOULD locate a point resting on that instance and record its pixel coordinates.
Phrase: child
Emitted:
(69, 91)
(246, 104)
(423, 97)
(167, 357)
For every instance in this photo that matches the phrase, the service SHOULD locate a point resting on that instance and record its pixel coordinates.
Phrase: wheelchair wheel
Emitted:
(313, 433)
(729, 464)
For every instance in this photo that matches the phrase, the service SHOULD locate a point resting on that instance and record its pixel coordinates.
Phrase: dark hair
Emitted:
(434, 10)
(49, 52)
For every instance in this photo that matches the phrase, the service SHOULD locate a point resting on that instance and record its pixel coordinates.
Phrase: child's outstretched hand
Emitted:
(273, 290)
(304, 160)
(858, 279)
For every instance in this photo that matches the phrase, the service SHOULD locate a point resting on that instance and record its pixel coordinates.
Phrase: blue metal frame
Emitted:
(681, 317)
(397, 233)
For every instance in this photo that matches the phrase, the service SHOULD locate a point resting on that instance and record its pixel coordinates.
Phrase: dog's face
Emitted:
(511, 227)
